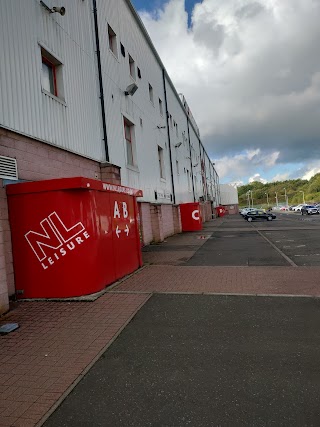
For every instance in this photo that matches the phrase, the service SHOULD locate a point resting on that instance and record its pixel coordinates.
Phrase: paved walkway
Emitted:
(58, 342)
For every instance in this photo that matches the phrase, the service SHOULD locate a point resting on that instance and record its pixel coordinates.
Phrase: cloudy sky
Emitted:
(250, 71)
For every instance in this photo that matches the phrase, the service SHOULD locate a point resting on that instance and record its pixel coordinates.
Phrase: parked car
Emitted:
(246, 210)
(298, 207)
(309, 210)
(259, 214)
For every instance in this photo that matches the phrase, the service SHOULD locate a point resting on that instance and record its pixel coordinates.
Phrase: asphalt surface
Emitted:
(237, 248)
(236, 242)
(201, 360)
(214, 360)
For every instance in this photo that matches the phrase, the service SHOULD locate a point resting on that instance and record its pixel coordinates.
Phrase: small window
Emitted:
(188, 177)
(170, 120)
(177, 131)
(129, 134)
(161, 163)
(139, 72)
(112, 41)
(123, 52)
(177, 166)
(51, 74)
(160, 107)
(141, 122)
(132, 68)
(150, 93)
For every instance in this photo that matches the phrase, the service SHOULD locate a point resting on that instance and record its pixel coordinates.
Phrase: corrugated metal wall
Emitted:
(229, 195)
(72, 123)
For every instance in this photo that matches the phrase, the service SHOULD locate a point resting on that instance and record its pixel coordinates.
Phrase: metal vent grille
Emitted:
(8, 168)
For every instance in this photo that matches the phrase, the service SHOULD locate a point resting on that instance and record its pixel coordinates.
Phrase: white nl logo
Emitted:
(57, 240)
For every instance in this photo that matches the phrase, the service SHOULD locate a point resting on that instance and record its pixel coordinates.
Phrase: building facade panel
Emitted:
(70, 120)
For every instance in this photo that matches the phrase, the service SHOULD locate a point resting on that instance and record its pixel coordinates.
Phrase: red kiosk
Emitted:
(72, 236)
(190, 216)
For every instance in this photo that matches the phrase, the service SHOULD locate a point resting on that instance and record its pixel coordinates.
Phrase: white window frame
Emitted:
(151, 94)
(49, 61)
(161, 162)
(160, 107)
(113, 47)
(132, 67)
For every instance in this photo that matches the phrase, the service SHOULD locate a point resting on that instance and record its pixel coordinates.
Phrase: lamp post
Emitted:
(248, 198)
(251, 199)
(286, 197)
(276, 199)
(267, 198)
(302, 196)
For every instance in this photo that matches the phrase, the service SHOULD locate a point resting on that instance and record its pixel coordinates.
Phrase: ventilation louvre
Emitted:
(8, 168)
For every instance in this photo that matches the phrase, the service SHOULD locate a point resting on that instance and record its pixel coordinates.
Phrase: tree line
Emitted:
(294, 191)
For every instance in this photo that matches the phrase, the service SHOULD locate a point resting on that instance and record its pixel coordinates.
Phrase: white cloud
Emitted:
(281, 177)
(257, 177)
(249, 70)
(311, 172)
(244, 164)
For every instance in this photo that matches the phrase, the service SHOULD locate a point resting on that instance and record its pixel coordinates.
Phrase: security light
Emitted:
(131, 89)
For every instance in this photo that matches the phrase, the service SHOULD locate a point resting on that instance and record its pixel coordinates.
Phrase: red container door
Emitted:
(56, 243)
(221, 211)
(126, 238)
(190, 217)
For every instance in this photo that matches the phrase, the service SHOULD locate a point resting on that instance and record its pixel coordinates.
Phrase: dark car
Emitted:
(259, 214)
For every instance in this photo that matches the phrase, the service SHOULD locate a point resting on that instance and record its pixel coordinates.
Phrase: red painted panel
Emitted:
(221, 211)
(191, 219)
(126, 238)
(66, 242)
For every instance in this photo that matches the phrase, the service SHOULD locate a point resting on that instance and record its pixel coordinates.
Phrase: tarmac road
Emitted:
(214, 360)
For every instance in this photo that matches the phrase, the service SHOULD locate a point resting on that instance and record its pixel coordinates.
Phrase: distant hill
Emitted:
(294, 188)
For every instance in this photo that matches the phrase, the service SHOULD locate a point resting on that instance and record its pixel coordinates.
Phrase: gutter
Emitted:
(168, 132)
(103, 113)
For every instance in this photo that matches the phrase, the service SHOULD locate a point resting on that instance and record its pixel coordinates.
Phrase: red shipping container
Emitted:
(191, 219)
(72, 236)
(221, 211)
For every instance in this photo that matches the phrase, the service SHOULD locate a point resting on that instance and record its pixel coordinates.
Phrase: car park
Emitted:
(259, 215)
(309, 210)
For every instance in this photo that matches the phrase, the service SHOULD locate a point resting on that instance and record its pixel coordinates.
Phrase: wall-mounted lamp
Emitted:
(188, 158)
(131, 89)
(161, 127)
(195, 165)
(178, 144)
(55, 9)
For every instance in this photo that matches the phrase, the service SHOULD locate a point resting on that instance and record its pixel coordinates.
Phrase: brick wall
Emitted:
(231, 209)
(156, 223)
(176, 219)
(37, 161)
(206, 211)
(167, 220)
(159, 221)
(145, 223)
(110, 173)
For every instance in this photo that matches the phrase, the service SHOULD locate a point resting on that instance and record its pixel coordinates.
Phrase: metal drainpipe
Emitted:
(103, 113)
(168, 131)
(194, 196)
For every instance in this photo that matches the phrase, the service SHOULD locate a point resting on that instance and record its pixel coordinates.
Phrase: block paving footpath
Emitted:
(58, 342)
